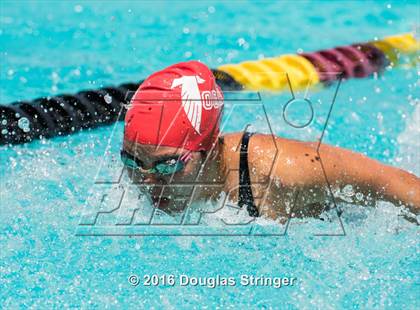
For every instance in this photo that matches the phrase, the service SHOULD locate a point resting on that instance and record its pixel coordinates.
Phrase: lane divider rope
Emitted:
(25, 121)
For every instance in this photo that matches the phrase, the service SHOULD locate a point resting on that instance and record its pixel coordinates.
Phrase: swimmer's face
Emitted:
(165, 190)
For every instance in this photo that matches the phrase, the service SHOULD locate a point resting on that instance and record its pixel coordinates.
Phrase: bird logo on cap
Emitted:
(191, 98)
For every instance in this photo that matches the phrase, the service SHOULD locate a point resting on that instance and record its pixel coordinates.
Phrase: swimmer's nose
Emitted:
(152, 179)
(149, 180)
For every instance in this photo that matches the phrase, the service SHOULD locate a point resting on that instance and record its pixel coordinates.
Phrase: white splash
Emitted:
(409, 141)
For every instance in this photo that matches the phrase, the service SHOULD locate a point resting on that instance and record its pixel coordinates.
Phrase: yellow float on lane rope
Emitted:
(271, 73)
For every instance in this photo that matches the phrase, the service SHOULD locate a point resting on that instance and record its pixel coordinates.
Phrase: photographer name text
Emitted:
(210, 282)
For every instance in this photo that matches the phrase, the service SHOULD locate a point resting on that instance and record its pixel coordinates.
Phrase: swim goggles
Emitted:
(166, 166)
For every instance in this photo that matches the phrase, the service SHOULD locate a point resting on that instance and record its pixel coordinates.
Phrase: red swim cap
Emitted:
(180, 106)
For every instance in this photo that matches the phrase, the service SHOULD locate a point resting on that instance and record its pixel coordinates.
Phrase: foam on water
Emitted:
(409, 141)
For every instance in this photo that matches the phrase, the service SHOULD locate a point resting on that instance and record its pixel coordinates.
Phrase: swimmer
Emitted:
(172, 137)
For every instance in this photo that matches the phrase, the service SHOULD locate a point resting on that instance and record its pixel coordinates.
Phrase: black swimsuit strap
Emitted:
(245, 191)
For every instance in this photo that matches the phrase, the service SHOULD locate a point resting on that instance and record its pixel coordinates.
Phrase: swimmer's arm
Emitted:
(380, 181)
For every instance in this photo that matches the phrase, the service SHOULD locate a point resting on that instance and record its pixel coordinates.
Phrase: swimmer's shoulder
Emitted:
(282, 145)
(258, 140)
(231, 141)
(266, 143)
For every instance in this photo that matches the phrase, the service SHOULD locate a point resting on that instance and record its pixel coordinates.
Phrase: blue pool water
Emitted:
(50, 48)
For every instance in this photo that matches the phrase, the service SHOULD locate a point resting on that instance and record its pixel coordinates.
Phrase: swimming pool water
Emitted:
(50, 48)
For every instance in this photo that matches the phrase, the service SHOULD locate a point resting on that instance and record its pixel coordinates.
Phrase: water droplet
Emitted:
(4, 131)
(78, 8)
(108, 98)
(4, 122)
(348, 190)
(23, 124)
(76, 72)
(241, 41)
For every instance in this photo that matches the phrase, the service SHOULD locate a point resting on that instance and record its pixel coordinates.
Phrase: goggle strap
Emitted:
(186, 157)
